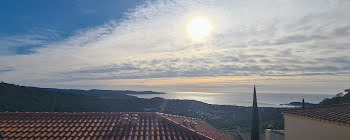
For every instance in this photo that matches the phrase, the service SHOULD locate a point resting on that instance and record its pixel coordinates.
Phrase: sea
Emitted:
(241, 99)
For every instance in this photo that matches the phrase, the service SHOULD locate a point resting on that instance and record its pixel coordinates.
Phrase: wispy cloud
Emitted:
(250, 38)
(27, 43)
(3, 70)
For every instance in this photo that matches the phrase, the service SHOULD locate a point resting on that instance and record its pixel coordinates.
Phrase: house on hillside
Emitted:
(105, 125)
(318, 123)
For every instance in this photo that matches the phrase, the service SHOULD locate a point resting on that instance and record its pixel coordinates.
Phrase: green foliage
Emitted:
(340, 98)
(347, 90)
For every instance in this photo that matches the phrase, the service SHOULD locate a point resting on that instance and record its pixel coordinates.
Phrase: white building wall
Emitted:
(300, 128)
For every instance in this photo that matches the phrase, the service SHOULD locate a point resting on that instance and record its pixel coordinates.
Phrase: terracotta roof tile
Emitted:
(333, 113)
(103, 125)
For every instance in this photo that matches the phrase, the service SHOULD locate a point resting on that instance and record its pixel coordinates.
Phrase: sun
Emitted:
(199, 29)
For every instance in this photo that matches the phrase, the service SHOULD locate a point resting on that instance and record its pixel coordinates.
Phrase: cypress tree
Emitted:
(255, 119)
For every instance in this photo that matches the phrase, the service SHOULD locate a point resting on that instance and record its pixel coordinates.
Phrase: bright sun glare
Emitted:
(199, 28)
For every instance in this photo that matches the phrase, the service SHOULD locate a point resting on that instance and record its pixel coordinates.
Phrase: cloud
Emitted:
(249, 39)
(342, 31)
(27, 43)
(3, 70)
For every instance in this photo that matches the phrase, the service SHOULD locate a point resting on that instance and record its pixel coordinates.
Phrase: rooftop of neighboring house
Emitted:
(105, 125)
(334, 113)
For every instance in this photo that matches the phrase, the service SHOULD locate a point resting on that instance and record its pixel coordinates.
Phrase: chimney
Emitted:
(134, 119)
(135, 115)
(125, 115)
(193, 124)
(125, 119)
(186, 123)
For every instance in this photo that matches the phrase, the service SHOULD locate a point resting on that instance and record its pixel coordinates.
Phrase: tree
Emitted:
(347, 90)
(255, 118)
(339, 94)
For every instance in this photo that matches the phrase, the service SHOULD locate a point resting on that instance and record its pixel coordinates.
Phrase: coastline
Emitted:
(242, 99)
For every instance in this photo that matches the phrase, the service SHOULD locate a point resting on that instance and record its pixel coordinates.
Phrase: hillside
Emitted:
(100, 93)
(32, 99)
(21, 98)
(340, 98)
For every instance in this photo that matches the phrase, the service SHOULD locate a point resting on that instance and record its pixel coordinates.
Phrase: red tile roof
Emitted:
(333, 113)
(197, 125)
(103, 125)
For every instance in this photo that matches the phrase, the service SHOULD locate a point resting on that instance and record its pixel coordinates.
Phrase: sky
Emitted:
(282, 46)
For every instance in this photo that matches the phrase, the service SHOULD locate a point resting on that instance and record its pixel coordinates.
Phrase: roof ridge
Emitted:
(172, 115)
(333, 113)
(315, 107)
(182, 126)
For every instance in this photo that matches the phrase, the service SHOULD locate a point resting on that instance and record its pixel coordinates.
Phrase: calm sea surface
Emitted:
(241, 99)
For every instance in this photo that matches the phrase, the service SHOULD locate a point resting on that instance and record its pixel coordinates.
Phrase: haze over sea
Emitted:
(242, 99)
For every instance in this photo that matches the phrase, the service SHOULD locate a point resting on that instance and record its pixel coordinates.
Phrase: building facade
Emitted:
(318, 123)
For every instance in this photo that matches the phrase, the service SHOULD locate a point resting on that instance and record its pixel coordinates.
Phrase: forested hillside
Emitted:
(340, 98)
(21, 98)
